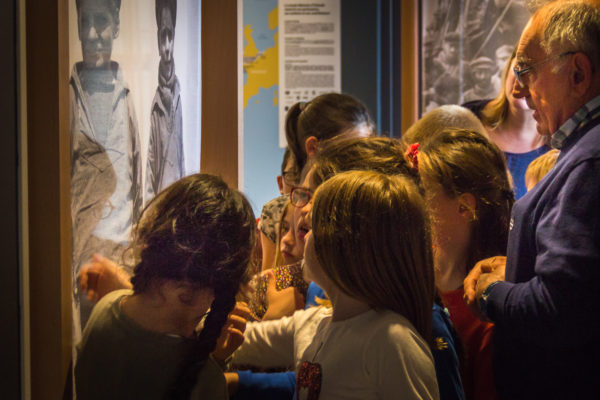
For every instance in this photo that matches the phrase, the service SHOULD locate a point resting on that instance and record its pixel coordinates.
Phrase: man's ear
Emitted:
(280, 183)
(467, 206)
(311, 145)
(580, 76)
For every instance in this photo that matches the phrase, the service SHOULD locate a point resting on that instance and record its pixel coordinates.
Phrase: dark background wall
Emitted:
(371, 58)
(10, 355)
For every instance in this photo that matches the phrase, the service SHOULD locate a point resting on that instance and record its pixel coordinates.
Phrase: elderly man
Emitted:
(543, 296)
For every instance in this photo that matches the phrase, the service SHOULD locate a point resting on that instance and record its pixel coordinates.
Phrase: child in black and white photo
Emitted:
(165, 147)
(105, 147)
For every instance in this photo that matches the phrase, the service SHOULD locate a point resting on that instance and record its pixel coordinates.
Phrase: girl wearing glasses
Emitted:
(308, 124)
(510, 125)
(385, 156)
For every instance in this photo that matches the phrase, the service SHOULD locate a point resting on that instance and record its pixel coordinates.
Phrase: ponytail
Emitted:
(294, 141)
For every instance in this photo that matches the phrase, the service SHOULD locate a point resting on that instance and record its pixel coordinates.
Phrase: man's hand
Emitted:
(481, 276)
(281, 303)
(101, 276)
(232, 333)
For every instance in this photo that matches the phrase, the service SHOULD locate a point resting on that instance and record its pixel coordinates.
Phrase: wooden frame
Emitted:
(49, 188)
(219, 149)
(409, 49)
(49, 168)
(10, 229)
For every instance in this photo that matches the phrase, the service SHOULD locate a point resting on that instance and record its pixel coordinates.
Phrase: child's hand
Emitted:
(281, 303)
(232, 333)
(101, 276)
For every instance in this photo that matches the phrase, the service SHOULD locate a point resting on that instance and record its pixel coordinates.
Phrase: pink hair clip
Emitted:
(411, 154)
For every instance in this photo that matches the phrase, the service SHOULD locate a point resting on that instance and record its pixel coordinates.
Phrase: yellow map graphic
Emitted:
(262, 68)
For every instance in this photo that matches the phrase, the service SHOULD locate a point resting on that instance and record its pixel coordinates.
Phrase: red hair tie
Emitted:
(411, 154)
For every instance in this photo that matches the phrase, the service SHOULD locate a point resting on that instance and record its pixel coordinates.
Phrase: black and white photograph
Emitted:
(135, 121)
(465, 46)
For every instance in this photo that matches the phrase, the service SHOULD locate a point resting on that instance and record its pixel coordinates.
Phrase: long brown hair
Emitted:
(372, 240)
(324, 117)
(380, 154)
(200, 231)
(463, 161)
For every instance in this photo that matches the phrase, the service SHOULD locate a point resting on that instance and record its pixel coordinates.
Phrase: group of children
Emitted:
(386, 230)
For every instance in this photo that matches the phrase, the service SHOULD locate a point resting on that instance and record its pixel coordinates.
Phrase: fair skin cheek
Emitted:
(546, 92)
(343, 305)
(291, 249)
(450, 219)
(312, 268)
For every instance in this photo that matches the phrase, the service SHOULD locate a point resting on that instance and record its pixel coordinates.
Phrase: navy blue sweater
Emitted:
(545, 313)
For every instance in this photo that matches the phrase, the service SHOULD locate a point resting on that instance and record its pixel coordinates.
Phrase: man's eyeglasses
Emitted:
(521, 72)
(300, 196)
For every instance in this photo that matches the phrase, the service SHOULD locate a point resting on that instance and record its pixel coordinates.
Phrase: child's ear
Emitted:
(311, 145)
(280, 183)
(467, 206)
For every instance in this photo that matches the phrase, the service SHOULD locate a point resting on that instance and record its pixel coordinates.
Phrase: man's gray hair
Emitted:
(441, 118)
(572, 26)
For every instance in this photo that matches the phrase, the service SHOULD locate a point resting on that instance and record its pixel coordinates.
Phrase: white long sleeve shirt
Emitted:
(375, 355)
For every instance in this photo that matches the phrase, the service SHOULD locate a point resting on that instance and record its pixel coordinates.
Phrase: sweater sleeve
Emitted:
(267, 344)
(559, 301)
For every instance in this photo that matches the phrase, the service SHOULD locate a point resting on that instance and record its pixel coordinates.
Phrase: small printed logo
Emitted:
(440, 343)
(512, 222)
(308, 381)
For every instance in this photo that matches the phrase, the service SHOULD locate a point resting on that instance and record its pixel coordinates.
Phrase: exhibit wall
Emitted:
(353, 40)
(465, 46)
(135, 100)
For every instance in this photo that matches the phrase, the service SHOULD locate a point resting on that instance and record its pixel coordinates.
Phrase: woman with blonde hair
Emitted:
(510, 125)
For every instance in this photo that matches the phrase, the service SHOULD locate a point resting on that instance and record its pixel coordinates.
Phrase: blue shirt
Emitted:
(517, 164)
